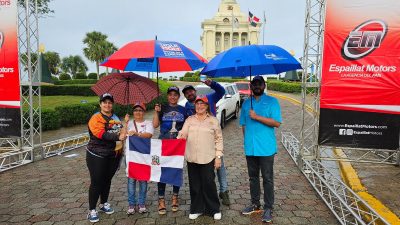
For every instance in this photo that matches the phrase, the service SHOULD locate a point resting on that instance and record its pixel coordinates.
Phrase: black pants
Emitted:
(203, 191)
(101, 172)
(161, 189)
(266, 165)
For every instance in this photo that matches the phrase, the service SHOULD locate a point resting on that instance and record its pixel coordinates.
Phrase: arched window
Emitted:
(226, 20)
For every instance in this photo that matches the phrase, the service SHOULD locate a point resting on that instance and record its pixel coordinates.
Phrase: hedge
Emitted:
(69, 115)
(80, 90)
(284, 86)
(76, 81)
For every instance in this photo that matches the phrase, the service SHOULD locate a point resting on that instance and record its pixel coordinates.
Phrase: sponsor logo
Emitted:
(1, 39)
(273, 56)
(364, 39)
(5, 2)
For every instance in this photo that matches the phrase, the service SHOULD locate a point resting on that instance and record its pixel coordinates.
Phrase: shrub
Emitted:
(64, 76)
(50, 119)
(92, 76)
(54, 79)
(80, 76)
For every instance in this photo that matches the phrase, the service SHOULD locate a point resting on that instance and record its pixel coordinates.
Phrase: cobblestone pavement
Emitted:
(54, 191)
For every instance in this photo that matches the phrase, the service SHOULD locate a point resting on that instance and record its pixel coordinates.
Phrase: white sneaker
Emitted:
(217, 216)
(194, 216)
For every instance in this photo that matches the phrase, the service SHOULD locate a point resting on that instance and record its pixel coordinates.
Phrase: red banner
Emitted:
(360, 87)
(9, 72)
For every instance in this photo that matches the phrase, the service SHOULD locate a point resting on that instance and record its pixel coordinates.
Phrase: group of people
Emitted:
(196, 122)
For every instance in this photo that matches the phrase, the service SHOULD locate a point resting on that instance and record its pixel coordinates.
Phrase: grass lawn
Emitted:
(50, 102)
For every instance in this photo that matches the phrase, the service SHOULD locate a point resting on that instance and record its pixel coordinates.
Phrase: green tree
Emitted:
(42, 5)
(54, 61)
(97, 48)
(24, 61)
(73, 65)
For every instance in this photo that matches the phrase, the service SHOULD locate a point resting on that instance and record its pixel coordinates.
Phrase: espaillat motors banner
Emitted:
(360, 86)
(10, 116)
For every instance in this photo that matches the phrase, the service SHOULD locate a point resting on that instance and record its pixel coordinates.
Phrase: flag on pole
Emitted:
(253, 20)
(155, 160)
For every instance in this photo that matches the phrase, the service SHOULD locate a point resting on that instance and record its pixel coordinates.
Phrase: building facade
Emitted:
(229, 27)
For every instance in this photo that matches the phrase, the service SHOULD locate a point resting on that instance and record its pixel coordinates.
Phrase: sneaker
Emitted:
(106, 207)
(225, 198)
(131, 210)
(217, 216)
(175, 203)
(161, 206)
(93, 216)
(267, 216)
(194, 216)
(142, 209)
(251, 209)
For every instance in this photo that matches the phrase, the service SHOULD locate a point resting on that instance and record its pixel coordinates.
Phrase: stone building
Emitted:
(229, 27)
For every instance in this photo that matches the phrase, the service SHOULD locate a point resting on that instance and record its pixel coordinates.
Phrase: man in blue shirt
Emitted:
(190, 94)
(259, 116)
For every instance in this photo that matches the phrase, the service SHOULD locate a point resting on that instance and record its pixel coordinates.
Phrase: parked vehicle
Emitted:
(227, 107)
(244, 90)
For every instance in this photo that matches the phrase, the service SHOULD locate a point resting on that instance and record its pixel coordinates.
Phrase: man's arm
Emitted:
(264, 120)
(219, 90)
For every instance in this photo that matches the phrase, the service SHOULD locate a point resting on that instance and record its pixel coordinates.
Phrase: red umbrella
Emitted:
(127, 88)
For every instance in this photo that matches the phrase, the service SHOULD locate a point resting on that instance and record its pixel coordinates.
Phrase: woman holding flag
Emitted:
(204, 150)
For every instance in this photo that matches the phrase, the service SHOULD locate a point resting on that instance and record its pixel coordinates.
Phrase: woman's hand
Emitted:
(217, 163)
(122, 136)
(131, 133)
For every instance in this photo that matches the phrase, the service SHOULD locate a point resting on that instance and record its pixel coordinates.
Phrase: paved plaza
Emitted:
(54, 191)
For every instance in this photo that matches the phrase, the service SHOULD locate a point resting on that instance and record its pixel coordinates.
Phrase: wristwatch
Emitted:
(218, 157)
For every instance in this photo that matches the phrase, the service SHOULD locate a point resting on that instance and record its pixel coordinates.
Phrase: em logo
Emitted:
(364, 39)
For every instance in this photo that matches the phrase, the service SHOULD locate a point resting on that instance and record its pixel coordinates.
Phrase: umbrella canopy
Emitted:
(250, 60)
(168, 56)
(127, 88)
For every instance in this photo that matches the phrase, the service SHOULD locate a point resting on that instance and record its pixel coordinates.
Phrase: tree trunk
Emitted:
(98, 72)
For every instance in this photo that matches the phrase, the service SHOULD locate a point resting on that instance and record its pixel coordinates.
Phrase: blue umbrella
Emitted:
(251, 60)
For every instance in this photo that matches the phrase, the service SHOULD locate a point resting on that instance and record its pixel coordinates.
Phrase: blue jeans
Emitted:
(221, 174)
(132, 192)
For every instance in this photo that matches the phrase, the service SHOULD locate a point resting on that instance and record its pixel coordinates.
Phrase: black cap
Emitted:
(187, 87)
(173, 88)
(105, 96)
(258, 78)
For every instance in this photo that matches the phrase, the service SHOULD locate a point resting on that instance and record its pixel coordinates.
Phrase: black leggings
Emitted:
(101, 172)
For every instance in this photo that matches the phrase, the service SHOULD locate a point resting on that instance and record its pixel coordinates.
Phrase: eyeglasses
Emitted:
(138, 110)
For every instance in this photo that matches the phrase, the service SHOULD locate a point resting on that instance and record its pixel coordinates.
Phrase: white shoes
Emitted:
(194, 216)
(217, 216)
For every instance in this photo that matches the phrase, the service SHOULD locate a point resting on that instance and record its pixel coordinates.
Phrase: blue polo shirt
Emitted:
(259, 139)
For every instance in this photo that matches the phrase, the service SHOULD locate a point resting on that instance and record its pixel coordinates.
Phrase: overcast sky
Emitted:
(174, 20)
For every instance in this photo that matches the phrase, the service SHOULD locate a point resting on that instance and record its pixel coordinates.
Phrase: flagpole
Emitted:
(232, 29)
(265, 20)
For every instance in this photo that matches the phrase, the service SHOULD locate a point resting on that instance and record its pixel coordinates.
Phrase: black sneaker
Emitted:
(267, 216)
(225, 198)
(251, 209)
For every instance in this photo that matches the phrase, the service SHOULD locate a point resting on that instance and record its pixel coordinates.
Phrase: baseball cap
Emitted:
(187, 87)
(141, 105)
(258, 78)
(202, 98)
(173, 88)
(105, 96)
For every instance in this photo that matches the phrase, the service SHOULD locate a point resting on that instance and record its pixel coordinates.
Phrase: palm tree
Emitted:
(53, 59)
(73, 65)
(94, 49)
(108, 49)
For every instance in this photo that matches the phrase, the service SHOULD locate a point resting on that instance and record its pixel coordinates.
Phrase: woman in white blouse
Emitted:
(204, 149)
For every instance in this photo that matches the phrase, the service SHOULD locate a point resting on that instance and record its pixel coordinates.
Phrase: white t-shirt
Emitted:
(143, 127)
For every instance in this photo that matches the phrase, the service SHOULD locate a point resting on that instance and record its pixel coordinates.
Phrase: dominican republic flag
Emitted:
(253, 20)
(155, 160)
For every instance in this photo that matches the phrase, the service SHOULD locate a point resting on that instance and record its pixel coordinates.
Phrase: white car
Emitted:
(227, 107)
